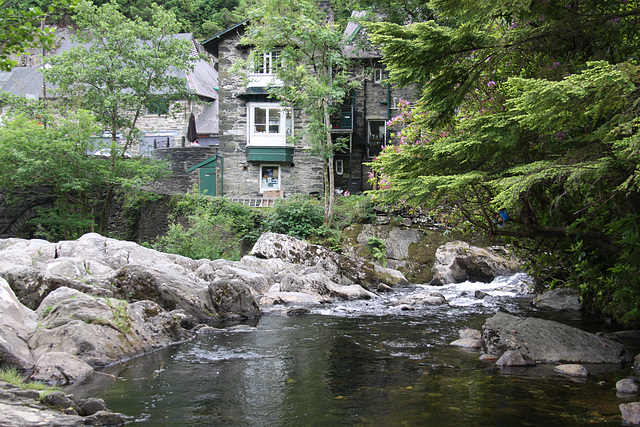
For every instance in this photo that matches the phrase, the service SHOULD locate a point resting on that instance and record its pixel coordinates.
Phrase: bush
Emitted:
(209, 227)
(298, 216)
(353, 210)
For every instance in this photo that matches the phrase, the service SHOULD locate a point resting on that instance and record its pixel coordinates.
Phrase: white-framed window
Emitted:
(377, 132)
(270, 124)
(269, 178)
(378, 75)
(339, 166)
(267, 63)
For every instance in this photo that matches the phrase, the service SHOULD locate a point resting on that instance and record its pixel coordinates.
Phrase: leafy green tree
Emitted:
(531, 108)
(22, 28)
(52, 161)
(118, 69)
(313, 74)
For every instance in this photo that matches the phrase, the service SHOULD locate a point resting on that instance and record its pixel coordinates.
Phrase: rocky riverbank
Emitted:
(70, 307)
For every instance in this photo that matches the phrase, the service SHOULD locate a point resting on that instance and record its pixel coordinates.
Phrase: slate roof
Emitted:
(27, 81)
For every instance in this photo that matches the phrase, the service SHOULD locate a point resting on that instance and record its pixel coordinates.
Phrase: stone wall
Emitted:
(181, 159)
(242, 178)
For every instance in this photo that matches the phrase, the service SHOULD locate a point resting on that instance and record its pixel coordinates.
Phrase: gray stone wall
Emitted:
(242, 178)
(180, 160)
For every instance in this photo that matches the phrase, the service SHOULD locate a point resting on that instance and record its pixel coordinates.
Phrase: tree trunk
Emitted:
(331, 197)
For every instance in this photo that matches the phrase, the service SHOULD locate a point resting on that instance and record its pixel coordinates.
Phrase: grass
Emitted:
(14, 377)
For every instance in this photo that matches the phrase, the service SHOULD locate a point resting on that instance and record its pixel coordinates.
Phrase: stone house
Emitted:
(254, 145)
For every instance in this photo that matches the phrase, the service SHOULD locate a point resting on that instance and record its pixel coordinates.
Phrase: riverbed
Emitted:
(364, 363)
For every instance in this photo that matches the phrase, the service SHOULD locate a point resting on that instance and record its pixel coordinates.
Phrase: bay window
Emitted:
(270, 124)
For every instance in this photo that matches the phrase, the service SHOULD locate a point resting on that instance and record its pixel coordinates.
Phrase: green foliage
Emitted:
(51, 162)
(14, 377)
(209, 227)
(353, 209)
(21, 28)
(297, 216)
(526, 106)
(378, 250)
(117, 69)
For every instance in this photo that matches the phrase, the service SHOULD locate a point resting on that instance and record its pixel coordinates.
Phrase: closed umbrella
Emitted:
(192, 134)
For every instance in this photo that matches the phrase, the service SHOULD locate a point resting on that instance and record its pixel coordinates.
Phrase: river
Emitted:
(360, 363)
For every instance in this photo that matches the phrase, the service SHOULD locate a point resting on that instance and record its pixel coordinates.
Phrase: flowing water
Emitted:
(363, 363)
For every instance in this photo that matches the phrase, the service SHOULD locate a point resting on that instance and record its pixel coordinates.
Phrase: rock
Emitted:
(630, 413)
(480, 294)
(457, 262)
(488, 358)
(422, 299)
(101, 331)
(546, 341)
(20, 407)
(60, 369)
(515, 358)
(627, 386)
(293, 311)
(17, 323)
(558, 299)
(572, 370)
(339, 268)
(233, 299)
(411, 251)
(169, 288)
(91, 406)
(61, 401)
(471, 338)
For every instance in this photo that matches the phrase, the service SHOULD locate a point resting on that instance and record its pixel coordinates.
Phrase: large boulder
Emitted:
(60, 369)
(545, 341)
(409, 250)
(100, 331)
(16, 324)
(457, 262)
(340, 269)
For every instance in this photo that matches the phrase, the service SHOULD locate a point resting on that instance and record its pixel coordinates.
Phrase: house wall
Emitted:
(241, 177)
(370, 104)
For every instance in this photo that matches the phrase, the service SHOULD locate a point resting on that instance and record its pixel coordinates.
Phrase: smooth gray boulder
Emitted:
(572, 370)
(422, 299)
(627, 386)
(630, 413)
(546, 341)
(515, 358)
(458, 261)
(60, 369)
(559, 299)
(470, 338)
(16, 324)
(101, 331)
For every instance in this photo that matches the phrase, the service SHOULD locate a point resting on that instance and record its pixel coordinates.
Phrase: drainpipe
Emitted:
(221, 172)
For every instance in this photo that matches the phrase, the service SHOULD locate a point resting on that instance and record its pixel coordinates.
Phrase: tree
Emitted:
(313, 74)
(532, 108)
(119, 68)
(52, 161)
(22, 28)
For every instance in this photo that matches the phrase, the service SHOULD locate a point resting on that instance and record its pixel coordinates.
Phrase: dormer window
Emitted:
(267, 63)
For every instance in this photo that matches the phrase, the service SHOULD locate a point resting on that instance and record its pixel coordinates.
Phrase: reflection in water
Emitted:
(357, 363)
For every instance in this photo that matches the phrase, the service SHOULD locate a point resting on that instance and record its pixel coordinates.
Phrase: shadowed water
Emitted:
(361, 363)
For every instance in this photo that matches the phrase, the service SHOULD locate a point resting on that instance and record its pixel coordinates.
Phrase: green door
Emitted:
(208, 181)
